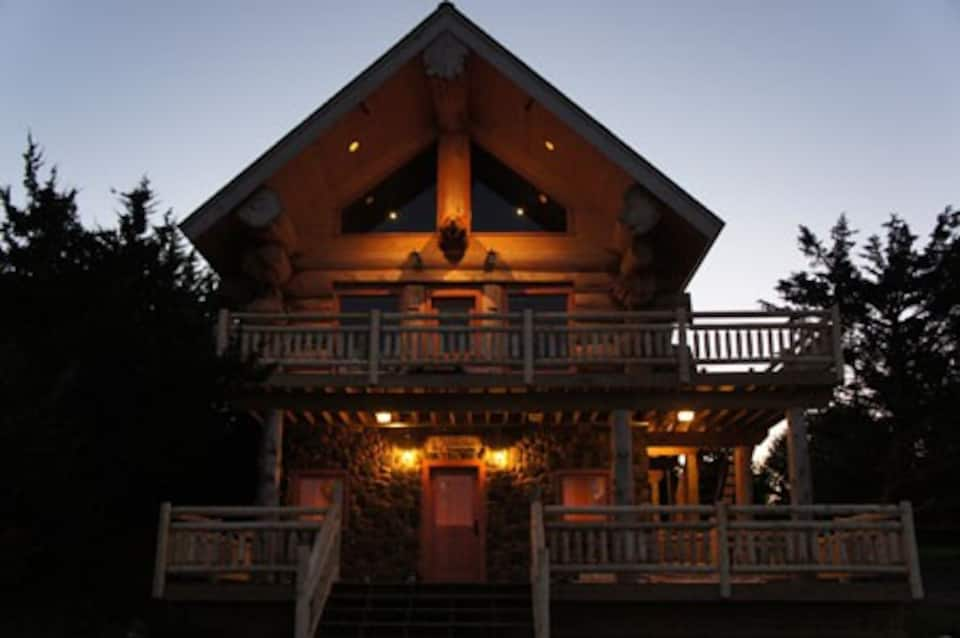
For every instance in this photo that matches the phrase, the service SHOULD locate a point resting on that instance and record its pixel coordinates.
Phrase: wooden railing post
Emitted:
(723, 550)
(837, 332)
(528, 346)
(223, 331)
(301, 619)
(910, 550)
(374, 345)
(160, 566)
(683, 354)
(338, 500)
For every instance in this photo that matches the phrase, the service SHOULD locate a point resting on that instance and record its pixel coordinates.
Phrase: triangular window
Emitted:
(405, 202)
(503, 201)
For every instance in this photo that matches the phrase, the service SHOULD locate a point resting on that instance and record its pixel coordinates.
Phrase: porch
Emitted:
(580, 555)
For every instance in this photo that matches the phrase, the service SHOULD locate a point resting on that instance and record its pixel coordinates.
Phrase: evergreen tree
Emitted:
(890, 432)
(114, 400)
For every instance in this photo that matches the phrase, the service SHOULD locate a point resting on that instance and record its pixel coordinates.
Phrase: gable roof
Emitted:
(446, 18)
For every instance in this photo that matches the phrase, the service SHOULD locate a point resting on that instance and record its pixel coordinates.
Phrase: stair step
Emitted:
(423, 610)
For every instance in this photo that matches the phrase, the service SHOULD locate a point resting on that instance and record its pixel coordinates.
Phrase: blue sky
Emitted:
(771, 113)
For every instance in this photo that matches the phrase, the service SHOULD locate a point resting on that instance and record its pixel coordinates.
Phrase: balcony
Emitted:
(614, 349)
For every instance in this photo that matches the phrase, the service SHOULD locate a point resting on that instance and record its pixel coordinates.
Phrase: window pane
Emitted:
(404, 202)
(584, 490)
(503, 201)
(366, 303)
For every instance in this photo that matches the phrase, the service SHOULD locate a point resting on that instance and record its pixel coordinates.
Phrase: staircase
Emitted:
(427, 610)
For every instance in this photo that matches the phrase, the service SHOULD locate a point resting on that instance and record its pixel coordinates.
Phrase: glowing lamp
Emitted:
(407, 459)
(520, 212)
(393, 215)
(499, 459)
(547, 144)
(354, 146)
(383, 418)
(685, 416)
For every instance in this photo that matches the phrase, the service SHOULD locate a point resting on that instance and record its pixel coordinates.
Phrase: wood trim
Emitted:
(425, 566)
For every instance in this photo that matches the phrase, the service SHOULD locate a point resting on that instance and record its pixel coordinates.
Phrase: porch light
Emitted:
(354, 146)
(406, 459)
(500, 459)
(384, 418)
(685, 416)
(547, 144)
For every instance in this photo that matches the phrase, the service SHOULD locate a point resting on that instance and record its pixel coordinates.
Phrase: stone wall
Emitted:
(382, 508)
(381, 537)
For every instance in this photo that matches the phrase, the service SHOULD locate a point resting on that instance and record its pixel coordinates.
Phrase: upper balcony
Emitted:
(576, 350)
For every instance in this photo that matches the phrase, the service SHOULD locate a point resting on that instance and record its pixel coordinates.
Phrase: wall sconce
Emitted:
(499, 459)
(416, 261)
(491, 261)
(406, 458)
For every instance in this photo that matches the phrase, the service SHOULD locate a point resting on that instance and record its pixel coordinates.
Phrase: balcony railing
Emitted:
(294, 546)
(526, 345)
(726, 544)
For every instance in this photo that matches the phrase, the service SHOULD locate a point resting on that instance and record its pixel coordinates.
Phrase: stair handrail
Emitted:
(539, 571)
(318, 567)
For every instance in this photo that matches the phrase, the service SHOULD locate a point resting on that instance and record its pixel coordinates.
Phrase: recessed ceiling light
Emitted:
(392, 215)
(520, 212)
(543, 199)
(549, 145)
(354, 146)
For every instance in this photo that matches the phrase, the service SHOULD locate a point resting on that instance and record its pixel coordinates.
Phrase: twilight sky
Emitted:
(771, 113)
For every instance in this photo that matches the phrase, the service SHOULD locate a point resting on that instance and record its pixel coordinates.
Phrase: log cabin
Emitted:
(486, 396)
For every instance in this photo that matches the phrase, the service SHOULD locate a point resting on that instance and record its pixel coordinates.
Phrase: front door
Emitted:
(453, 524)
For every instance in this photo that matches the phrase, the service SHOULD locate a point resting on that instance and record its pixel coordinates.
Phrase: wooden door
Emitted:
(453, 524)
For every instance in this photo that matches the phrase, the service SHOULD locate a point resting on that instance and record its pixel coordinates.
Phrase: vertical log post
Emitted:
(374, 345)
(160, 566)
(837, 335)
(798, 458)
(621, 455)
(692, 475)
(301, 618)
(223, 331)
(528, 346)
(271, 460)
(743, 476)
(621, 439)
(723, 550)
(910, 550)
(683, 355)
